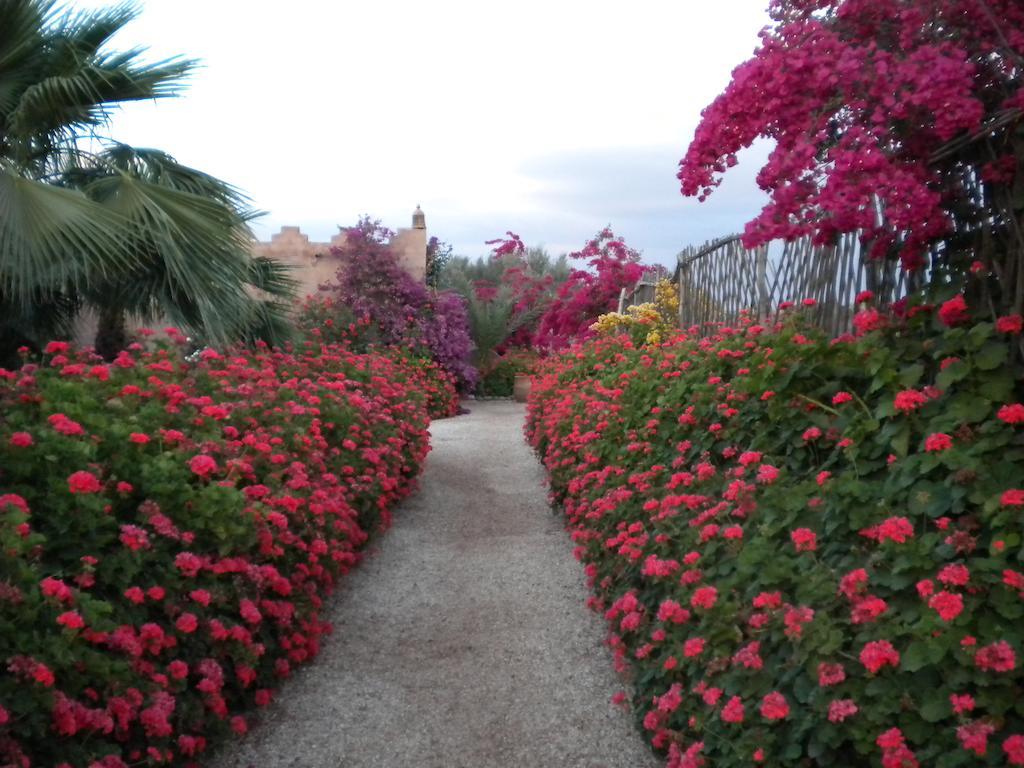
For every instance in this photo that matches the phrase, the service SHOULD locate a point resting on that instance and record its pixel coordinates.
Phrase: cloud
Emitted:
(575, 194)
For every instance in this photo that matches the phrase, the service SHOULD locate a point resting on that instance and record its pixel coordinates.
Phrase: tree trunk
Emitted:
(111, 333)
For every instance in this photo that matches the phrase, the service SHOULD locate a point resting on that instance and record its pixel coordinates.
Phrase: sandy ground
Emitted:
(463, 641)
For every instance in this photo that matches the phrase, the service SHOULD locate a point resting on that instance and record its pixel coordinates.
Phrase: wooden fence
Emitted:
(722, 278)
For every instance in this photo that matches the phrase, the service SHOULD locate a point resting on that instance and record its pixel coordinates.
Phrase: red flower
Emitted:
(974, 736)
(42, 675)
(961, 704)
(877, 654)
(1013, 746)
(21, 439)
(202, 465)
(732, 712)
(139, 437)
(187, 623)
(84, 482)
(704, 597)
(774, 706)
(1013, 324)
(830, 674)
(996, 657)
(71, 620)
(840, 709)
(955, 574)
(804, 539)
(954, 311)
(693, 647)
(1012, 414)
(1012, 498)
(938, 441)
(909, 400)
(841, 397)
(948, 605)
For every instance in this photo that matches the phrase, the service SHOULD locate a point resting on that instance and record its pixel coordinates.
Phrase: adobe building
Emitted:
(313, 264)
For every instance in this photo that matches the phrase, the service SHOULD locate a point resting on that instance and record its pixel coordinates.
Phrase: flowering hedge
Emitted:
(809, 553)
(170, 530)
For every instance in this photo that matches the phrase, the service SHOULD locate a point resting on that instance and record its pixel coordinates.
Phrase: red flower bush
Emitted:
(167, 585)
(808, 553)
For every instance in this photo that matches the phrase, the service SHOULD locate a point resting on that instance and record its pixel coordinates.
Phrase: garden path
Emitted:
(464, 641)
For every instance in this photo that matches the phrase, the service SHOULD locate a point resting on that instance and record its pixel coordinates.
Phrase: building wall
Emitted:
(314, 264)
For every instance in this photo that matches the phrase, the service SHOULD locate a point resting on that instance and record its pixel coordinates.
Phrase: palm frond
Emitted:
(51, 237)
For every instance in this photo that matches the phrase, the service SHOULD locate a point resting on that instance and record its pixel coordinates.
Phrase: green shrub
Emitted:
(809, 553)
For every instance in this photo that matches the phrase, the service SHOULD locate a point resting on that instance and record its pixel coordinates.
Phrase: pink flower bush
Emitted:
(859, 97)
(181, 576)
(874, 572)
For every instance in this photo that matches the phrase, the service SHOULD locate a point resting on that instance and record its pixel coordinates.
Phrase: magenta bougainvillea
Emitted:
(375, 295)
(859, 96)
(809, 553)
(589, 293)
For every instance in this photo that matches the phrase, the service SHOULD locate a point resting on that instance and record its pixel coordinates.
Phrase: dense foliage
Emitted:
(808, 552)
(899, 120)
(376, 302)
(87, 221)
(589, 293)
(170, 530)
(499, 378)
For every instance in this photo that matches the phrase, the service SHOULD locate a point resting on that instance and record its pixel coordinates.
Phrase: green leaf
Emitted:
(992, 356)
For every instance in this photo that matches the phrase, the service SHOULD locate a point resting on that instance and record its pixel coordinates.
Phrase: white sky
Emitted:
(550, 118)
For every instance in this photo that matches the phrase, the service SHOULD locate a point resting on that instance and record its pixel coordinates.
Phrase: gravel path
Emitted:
(464, 641)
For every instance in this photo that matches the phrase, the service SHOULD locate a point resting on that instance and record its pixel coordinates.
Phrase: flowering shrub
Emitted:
(588, 294)
(809, 553)
(377, 302)
(170, 530)
(647, 323)
(876, 110)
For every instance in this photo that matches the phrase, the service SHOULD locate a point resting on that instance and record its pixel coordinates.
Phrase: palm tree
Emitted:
(85, 221)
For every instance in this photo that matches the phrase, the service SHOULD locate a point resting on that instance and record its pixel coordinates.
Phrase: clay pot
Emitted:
(521, 387)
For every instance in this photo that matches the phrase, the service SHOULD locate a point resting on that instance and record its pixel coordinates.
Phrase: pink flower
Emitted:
(811, 433)
(909, 400)
(139, 438)
(1012, 498)
(897, 529)
(840, 709)
(955, 574)
(693, 647)
(42, 675)
(1012, 414)
(704, 597)
(84, 482)
(1013, 746)
(804, 539)
(52, 587)
(938, 441)
(841, 397)
(867, 609)
(774, 706)
(877, 654)
(974, 736)
(71, 620)
(961, 704)
(187, 623)
(134, 537)
(178, 669)
(64, 425)
(954, 311)
(948, 605)
(732, 712)
(1013, 324)
(202, 465)
(996, 657)
(830, 674)
(135, 595)
(21, 439)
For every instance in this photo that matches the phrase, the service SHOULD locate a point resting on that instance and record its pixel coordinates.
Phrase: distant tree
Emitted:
(439, 253)
(120, 229)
